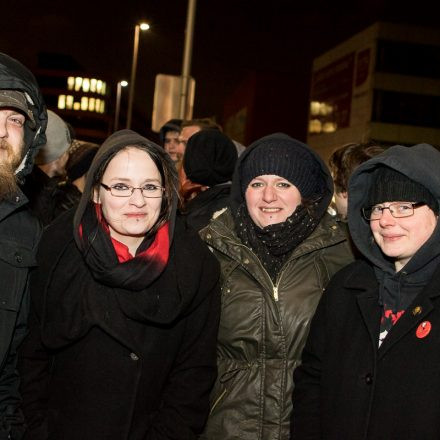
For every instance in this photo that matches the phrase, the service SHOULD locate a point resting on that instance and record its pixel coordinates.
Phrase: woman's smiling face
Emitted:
(271, 199)
(130, 218)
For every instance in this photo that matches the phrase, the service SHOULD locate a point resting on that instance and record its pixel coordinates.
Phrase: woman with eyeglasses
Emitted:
(277, 248)
(125, 309)
(371, 363)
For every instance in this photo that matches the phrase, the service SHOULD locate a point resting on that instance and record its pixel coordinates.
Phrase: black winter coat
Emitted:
(198, 211)
(347, 388)
(124, 379)
(19, 234)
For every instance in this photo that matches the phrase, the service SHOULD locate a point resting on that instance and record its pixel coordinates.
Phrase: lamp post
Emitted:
(118, 102)
(187, 55)
(143, 27)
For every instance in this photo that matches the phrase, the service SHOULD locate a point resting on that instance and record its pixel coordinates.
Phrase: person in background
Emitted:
(49, 170)
(23, 121)
(209, 160)
(69, 191)
(53, 156)
(125, 309)
(277, 248)
(370, 365)
(188, 189)
(192, 126)
(169, 138)
(342, 163)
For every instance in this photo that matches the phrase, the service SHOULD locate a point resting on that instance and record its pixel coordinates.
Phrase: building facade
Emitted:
(382, 84)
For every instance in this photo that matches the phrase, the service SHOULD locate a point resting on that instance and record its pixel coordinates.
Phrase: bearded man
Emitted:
(23, 120)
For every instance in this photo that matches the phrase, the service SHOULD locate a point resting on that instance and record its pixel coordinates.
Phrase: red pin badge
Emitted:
(423, 329)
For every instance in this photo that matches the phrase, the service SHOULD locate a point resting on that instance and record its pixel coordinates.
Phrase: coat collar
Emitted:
(415, 314)
(363, 282)
(12, 204)
(365, 286)
(220, 234)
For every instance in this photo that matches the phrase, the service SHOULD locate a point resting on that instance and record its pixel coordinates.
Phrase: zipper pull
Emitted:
(275, 292)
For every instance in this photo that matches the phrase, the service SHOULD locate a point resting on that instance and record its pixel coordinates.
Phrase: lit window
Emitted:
(78, 83)
(329, 127)
(99, 86)
(86, 85)
(314, 108)
(91, 104)
(62, 102)
(76, 105)
(104, 88)
(70, 83)
(102, 109)
(69, 101)
(93, 85)
(315, 126)
(84, 103)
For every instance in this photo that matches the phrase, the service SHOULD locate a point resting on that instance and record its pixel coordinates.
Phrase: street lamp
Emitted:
(118, 101)
(143, 27)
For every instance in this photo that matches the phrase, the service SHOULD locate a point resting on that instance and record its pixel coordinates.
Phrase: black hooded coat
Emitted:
(100, 361)
(19, 235)
(348, 387)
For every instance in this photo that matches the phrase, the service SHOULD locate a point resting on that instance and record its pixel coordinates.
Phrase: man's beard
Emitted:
(8, 164)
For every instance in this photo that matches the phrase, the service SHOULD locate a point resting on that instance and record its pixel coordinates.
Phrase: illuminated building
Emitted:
(80, 99)
(381, 84)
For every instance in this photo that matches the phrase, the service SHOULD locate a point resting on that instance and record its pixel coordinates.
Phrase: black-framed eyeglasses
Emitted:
(397, 210)
(149, 190)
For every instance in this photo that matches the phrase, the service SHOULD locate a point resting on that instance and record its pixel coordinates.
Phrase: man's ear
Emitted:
(96, 195)
(344, 194)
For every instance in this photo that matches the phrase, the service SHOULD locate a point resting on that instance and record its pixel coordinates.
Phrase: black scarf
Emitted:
(100, 256)
(398, 290)
(274, 243)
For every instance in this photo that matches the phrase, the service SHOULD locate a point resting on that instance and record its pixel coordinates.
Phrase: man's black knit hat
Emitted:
(388, 185)
(209, 158)
(288, 158)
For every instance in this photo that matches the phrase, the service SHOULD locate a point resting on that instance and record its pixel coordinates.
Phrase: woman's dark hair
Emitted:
(167, 172)
(347, 158)
(311, 204)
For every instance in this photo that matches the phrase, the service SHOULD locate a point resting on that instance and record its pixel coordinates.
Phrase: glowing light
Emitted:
(92, 104)
(70, 83)
(69, 101)
(78, 83)
(84, 103)
(62, 102)
(86, 85)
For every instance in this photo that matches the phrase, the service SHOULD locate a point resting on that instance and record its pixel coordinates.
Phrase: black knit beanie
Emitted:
(389, 185)
(286, 158)
(209, 158)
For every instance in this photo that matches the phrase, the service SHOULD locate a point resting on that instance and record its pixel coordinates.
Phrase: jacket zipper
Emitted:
(217, 401)
(275, 287)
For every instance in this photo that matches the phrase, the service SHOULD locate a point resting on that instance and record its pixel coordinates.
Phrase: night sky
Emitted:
(232, 38)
